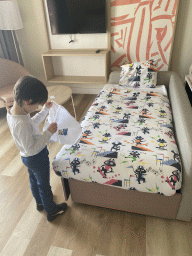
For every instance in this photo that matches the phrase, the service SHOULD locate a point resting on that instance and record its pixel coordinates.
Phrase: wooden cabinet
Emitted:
(51, 74)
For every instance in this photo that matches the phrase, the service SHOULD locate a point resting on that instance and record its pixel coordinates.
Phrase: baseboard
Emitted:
(86, 88)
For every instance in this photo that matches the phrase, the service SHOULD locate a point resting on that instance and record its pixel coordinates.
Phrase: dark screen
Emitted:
(77, 16)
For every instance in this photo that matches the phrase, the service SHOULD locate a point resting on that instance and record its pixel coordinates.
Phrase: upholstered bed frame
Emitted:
(178, 206)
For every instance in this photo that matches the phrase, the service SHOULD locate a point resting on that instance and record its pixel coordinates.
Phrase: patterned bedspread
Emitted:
(127, 141)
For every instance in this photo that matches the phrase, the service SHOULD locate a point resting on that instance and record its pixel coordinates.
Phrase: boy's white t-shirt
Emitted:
(26, 134)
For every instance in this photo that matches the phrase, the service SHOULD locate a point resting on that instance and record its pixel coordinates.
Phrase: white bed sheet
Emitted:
(148, 164)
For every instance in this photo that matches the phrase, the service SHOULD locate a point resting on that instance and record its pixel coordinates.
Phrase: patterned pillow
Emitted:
(139, 74)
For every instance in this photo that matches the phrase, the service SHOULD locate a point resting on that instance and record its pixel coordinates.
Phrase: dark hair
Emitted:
(30, 88)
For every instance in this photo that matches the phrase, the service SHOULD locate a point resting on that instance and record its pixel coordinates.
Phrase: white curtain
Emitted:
(7, 48)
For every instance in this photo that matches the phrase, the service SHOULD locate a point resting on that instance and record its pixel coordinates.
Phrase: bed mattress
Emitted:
(127, 142)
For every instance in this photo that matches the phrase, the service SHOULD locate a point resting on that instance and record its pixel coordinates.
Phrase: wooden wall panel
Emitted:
(141, 30)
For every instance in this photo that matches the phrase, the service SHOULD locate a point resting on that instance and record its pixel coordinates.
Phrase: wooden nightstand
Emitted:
(188, 88)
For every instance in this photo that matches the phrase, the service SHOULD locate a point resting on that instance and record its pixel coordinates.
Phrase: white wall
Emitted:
(33, 38)
(182, 47)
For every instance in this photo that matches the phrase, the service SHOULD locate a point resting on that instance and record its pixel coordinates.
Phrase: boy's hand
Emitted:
(52, 128)
(49, 104)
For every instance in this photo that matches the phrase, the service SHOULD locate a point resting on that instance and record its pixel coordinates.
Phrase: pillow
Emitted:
(139, 74)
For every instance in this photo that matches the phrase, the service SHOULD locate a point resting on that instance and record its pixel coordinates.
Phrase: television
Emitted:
(77, 16)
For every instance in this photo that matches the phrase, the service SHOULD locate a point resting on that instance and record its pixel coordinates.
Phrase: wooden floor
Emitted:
(83, 230)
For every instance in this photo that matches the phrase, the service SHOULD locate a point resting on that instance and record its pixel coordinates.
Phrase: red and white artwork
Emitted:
(142, 30)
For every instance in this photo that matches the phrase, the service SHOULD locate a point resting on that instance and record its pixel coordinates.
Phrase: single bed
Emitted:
(133, 155)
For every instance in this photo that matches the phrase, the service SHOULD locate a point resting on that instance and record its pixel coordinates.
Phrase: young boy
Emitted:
(29, 93)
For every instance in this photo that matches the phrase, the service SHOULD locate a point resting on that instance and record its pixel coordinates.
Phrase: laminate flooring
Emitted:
(83, 230)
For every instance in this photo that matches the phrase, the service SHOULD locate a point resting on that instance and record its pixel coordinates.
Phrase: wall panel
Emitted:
(141, 30)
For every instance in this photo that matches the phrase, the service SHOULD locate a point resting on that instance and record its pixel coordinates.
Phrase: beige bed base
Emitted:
(123, 200)
(178, 206)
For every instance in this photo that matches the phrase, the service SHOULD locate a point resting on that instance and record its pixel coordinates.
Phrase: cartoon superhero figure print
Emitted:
(96, 117)
(96, 125)
(138, 140)
(86, 133)
(130, 102)
(74, 165)
(145, 130)
(118, 110)
(144, 111)
(102, 108)
(116, 146)
(106, 167)
(119, 127)
(152, 62)
(176, 156)
(134, 155)
(98, 96)
(109, 95)
(139, 172)
(106, 137)
(138, 72)
(141, 120)
(161, 144)
(149, 76)
(63, 132)
(136, 94)
(95, 104)
(131, 66)
(162, 113)
(126, 116)
(170, 134)
(136, 85)
(152, 86)
(73, 148)
(150, 104)
(147, 97)
(173, 179)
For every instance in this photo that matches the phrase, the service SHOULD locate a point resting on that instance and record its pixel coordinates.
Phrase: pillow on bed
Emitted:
(139, 74)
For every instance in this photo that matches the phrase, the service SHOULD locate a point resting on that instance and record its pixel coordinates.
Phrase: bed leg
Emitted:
(66, 189)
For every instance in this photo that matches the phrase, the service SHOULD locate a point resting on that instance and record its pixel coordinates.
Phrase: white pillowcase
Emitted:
(139, 74)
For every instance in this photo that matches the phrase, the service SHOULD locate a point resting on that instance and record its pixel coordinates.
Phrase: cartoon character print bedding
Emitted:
(127, 141)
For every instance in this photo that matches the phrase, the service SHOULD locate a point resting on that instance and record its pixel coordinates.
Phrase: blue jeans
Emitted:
(39, 177)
